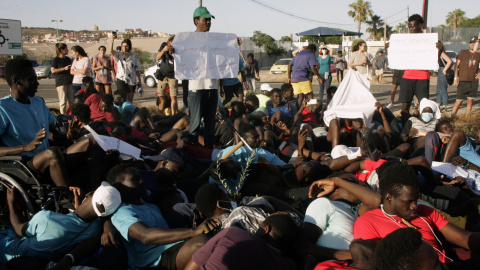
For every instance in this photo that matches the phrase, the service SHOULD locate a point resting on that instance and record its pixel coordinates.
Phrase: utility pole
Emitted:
(408, 12)
(385, 33)
(57, 27)
(199, 3)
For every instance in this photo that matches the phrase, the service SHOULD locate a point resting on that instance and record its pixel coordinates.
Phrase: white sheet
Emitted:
(352, 100)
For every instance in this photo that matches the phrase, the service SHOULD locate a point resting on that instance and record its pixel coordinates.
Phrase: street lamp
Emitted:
(57, 26)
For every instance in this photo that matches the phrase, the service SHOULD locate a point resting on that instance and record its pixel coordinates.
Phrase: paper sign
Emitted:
(413, 51)
(111, 143)
(205, 55)
(312, 102)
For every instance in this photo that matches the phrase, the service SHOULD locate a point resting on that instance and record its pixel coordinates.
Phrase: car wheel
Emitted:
(150, 81)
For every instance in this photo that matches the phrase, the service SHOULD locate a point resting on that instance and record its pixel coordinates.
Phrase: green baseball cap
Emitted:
(202, 12)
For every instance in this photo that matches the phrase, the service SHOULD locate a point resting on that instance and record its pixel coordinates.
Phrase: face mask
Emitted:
(324, 51)
(427, 117)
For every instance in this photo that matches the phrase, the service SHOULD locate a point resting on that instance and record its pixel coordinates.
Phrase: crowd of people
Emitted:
(275, 180)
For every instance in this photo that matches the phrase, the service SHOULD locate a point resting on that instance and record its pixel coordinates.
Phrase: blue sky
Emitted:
(242, 17)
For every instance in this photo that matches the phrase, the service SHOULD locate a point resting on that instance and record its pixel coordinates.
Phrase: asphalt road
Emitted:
(381, 92)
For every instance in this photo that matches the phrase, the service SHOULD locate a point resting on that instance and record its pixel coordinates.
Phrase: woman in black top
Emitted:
(63, 80)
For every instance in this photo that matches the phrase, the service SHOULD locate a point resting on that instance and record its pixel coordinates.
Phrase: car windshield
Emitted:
(451, 54)
(283, 62)
(47, 62)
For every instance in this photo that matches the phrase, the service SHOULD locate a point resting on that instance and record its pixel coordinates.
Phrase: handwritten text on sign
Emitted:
(204, 55)
(413, 51)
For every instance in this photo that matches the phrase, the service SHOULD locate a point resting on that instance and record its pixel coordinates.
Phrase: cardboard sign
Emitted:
(413, 51)
(205, 55)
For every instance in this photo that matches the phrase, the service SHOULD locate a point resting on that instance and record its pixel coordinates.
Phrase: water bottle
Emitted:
(140, 91)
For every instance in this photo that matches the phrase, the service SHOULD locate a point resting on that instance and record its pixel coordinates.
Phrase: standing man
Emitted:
(414, 82)
(340, 64)
(380, 64)
(466, 76)
(203, 94)
(303, 63)
(251, 68)
(167, 73)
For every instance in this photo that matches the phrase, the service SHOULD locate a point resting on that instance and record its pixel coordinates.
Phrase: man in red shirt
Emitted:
(101, 107)
(399, 187)
(414, 82)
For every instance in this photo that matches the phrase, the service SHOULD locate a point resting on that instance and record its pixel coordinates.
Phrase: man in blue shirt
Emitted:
(144, 231)
(303, 63)
(24, 130)
(137, 117)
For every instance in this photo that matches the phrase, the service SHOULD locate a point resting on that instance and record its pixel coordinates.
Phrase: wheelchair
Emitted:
(35, 195)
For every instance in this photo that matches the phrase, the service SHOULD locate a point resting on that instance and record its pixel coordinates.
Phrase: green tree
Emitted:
(128, 35)
(470, 23)
(145, 58)
(327, 40)
(268, 44)
(375, 29)
(285, 38)
(454, 18)
(360, 12)
(400, 27)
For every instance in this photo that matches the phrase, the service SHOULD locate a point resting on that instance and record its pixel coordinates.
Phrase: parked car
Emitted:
(453, 55)
(149, 76)
(44, 71)
(2, 72)
(281, 66)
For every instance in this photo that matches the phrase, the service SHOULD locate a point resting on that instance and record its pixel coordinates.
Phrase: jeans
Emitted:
(339, 75)
(185, 93)
(203, 103)
(325, 84)
(442, 96)
(76, 87)
(251, 84)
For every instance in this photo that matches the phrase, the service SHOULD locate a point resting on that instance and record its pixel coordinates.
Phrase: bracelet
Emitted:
(71, 257)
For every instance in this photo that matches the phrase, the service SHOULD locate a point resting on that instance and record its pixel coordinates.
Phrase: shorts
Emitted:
(397, 76)
(123, 85)
(468, 89)
(304, 87)
(378, 72)
(99, 83)
(409, 88)
(172, 84)
(169, 257)
(235, 89)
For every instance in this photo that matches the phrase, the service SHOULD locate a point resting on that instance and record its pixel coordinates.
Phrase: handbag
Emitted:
(449, 74)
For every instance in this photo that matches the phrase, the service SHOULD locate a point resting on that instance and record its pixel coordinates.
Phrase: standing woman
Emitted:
(102, 67)
(81, 67)
(324, 60)
(359, 60)
(63, 79)
(128, 67)
(444, 63)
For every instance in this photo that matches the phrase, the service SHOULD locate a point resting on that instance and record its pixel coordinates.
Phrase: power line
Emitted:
(396, 13)
(296, 16)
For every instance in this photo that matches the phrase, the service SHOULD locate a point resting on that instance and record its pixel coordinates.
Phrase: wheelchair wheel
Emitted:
(7, 182)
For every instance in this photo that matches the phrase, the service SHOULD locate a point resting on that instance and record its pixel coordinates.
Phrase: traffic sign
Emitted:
(11, 37)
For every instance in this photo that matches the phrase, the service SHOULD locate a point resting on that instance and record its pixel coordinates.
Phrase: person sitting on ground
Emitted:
(328, 226)
(277, 105)
(255, 113)
(78, 99)
(288, 97)
(405, 249)
(230, 248)
(144, 231)
(49, 235)
(399, 187)
(89, 88)
(264, 95)
(137, 117)
(22, 111)
(101, 107)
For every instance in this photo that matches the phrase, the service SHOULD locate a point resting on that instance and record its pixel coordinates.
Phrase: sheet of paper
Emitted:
(109, 143)
(413, 51)
(205, 55)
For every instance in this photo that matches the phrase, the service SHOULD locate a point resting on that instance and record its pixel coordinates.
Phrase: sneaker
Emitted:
(368, 145)
(390, 105)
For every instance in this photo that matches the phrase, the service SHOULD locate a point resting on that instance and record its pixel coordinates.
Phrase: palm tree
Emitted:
(400, 27)
(375, 27)
(360, 12)
(453, 18)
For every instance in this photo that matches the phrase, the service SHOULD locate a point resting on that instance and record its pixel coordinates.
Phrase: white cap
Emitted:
(424, 103)
(343, 150)
(266, 87)
(107, 196)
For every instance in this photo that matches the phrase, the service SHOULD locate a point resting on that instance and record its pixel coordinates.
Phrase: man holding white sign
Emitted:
(202, 58)
(407, 52)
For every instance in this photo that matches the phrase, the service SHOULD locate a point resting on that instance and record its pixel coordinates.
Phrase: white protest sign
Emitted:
(109, 143)
(413, 51)
(205, 55)
(10, 37)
